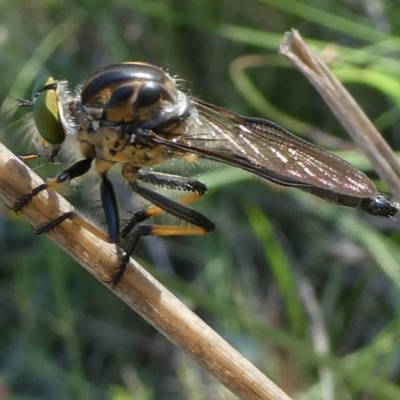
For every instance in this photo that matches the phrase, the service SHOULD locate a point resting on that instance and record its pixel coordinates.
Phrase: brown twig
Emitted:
(349, 113)
(138, 289)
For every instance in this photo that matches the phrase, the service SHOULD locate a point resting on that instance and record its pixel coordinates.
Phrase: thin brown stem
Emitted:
(349, 113)
(138, 289)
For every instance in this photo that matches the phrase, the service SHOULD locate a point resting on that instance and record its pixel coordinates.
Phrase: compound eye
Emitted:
(45, 111)
(149, 93)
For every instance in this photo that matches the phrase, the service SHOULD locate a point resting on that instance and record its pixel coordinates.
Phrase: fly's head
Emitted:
(136, 94)
(47, 113)
(52, 108)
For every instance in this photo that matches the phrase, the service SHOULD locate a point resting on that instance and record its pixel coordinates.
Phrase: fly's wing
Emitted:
(267, 150)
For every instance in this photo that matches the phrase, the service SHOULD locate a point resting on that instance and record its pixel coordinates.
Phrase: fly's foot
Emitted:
(25, 199)
(48, 226)
(123, 262)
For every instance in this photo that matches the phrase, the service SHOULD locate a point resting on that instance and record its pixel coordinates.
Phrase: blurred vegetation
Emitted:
(308, 291)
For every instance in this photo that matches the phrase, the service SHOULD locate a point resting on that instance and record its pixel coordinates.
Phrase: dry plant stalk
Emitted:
(349, 113)
(138, 289)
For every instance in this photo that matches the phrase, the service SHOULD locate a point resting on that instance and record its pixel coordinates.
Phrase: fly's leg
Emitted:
(175, 182)
(110, 210)
(135, 229)
(76, 170)
(71, 215)
(110, 207)
(151, 212)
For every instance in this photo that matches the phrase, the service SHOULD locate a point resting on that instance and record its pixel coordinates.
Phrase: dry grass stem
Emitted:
(353, 119)
(138, 289)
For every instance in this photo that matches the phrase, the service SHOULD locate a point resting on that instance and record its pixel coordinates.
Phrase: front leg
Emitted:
(78, 169)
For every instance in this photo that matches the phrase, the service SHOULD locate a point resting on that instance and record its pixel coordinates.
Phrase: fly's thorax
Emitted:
(114, 144)
(135, 93)
(123, 103)
(105, 142)
(130, 172)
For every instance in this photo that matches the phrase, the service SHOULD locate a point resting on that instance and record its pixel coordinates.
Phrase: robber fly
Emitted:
(134, 114)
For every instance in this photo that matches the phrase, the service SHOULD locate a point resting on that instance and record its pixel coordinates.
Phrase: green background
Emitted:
(308, 291)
